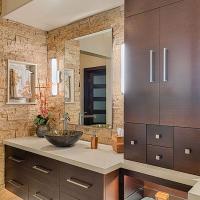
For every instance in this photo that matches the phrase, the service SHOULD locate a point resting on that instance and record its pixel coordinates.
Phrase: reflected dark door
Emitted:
(142, 68)
(95, 95)
(179, 38)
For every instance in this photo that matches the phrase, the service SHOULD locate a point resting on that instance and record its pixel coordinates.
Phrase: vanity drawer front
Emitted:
(135, 142)
(64, 196)
(81, 183)
(38, 190)
(16, 181)
(187, 150)
(44, 169)
(15, 157)
(160, 135)
(160, 156)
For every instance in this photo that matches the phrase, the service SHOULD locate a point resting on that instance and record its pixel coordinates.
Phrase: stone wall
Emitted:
(56, 48)
(22, 43)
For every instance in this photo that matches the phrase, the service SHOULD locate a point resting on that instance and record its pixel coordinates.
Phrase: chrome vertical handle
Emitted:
(165, 52)
(151, 66)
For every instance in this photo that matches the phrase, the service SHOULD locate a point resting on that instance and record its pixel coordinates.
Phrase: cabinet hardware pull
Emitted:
(151, 66)
(158, 157)
(39, 196)
(158, 136)
(15, 183)
(17, 160)
(165, 54)
(79, 183)
(187, 151)
(41, 169)
(133, 142)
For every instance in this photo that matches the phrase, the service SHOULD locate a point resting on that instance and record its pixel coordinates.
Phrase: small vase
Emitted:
(42, 130)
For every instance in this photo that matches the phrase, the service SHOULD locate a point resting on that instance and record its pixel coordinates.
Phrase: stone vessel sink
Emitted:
(65, 138)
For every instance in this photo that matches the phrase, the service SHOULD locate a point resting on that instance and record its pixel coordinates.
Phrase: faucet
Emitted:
(83, 116)
(65, 119)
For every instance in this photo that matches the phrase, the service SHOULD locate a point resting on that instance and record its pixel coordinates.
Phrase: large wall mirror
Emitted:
(95, 65)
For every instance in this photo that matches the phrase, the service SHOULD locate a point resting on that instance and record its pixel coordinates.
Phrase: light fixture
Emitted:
(55, 76)
(122, 67)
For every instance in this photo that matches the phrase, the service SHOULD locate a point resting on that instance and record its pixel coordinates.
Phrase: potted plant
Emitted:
(42, 119)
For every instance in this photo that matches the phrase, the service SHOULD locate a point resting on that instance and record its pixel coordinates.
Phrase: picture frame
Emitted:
(21, 86)
(69, 86)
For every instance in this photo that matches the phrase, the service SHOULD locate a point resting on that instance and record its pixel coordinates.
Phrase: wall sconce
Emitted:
(122, 67)
(55, 76)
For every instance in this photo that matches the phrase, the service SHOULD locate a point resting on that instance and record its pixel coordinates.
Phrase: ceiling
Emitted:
(50, 14)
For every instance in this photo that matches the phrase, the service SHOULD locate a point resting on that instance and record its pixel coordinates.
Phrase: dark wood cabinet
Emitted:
(43, 191)
(133, 7)
(135, 142)
(160, 156)
(81, 183)
(44, 169)
(39, 177)
(162, 87)
(142, 68)
(187, 150)
(180, 94)
(16, 181)
(160, 135)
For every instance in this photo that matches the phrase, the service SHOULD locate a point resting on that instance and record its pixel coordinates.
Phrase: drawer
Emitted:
(81, 183)
(160, 156)
(16, 181)
(15, 157)
(160, 135)
(187, 150)
(40, 191)
(44, 169)
(64, 196)
(135, 142)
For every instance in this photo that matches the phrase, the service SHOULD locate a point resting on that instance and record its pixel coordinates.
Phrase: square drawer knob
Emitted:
(158, 157)
(133, 142)
(187, 151)
(158, 136)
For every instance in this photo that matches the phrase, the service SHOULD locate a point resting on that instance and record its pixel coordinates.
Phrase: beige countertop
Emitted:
(103, 160)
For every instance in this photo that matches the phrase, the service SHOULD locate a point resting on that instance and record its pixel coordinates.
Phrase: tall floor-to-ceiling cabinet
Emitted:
(162, 83)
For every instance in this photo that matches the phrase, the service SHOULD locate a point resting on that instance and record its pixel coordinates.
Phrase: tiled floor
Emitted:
(6, 195)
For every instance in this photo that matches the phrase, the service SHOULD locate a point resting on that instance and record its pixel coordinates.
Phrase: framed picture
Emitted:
(22, 78)
(69, 85)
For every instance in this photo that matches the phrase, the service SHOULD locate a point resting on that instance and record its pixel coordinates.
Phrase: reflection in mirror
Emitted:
(95, 73)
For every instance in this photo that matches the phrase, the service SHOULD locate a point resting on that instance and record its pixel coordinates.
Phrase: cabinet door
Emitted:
(133, 7)
(186, 150)
(179, 41)
(135, 142)
(141, 62)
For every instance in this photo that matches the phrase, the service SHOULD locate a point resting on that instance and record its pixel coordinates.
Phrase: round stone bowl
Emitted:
(64, 138)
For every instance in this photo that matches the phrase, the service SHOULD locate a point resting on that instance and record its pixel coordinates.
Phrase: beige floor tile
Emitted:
(6, 195)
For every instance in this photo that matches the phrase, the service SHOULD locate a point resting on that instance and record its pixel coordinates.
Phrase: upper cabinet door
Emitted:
(180, 64)
(141, 68)
(133, 7)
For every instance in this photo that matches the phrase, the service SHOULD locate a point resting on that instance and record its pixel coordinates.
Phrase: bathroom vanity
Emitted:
(32, 176)
(34, 169)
